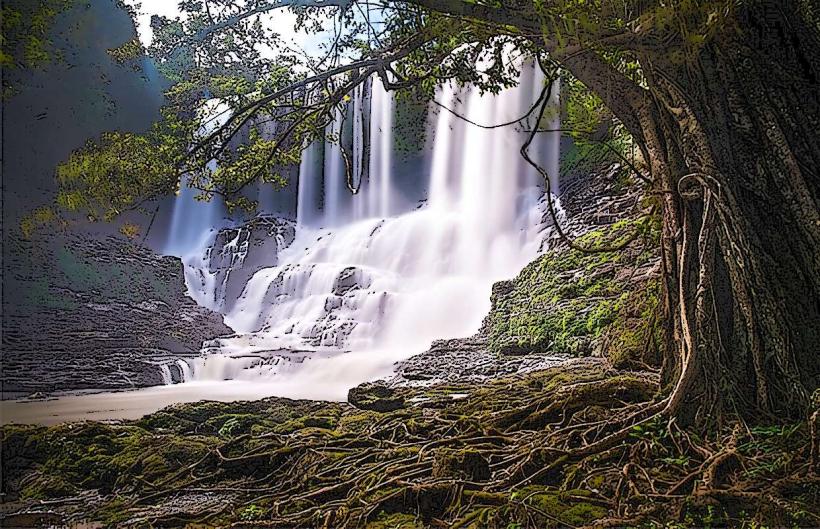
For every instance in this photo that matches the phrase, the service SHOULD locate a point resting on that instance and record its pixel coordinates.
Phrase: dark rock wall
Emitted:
(82, 306)
(105, 313)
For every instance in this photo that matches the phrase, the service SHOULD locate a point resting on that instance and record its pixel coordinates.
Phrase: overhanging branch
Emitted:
(264, 8)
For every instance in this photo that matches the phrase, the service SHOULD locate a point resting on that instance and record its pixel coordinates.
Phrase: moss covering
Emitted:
(568, 506)
(395, 521)
(634, 339)
(465, 464)
(566, 299)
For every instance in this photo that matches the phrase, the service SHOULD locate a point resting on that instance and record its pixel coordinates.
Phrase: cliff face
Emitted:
(83, 307)
(104, 313)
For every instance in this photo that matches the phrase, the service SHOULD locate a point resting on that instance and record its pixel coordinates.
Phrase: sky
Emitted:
(282, 20)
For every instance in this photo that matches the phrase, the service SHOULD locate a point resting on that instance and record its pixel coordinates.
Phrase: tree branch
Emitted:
(544, 98)
(264, 8)
(621, 95)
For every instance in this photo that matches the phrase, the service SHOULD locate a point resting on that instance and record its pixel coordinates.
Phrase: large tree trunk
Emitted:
(733, 137)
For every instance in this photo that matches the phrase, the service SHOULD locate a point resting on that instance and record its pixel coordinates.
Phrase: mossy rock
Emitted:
(162, 420)
(468, 465)
(307, 422)
(395, 521)
(566, 300)
(634, 337)
(376, 397)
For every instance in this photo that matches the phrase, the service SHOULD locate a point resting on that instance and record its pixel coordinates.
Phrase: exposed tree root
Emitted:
(570, 447)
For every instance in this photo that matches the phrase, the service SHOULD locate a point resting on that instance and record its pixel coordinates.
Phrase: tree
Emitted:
(721, 96)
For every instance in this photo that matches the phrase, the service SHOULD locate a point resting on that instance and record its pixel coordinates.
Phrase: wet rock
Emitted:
(239, 252)
(375, 397)
(466, 360)
(351, 278)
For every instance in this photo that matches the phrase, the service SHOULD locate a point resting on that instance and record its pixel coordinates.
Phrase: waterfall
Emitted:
(165, 372)
(326, 197)
(184, 370)
(192, 219)
(335, 191)
(364, 277)
(378, 193)
(308, 196)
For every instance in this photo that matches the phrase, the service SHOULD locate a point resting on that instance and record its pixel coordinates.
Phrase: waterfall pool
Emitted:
(324, 377)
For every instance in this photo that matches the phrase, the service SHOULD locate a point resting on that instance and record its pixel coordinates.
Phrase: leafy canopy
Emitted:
(280, 97)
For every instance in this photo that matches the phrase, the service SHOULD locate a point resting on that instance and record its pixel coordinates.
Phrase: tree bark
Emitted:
(733, 141)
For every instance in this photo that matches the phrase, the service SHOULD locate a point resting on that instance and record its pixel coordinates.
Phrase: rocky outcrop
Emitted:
(467, 361)
(567, 301)
(102, 314)
(239, 252)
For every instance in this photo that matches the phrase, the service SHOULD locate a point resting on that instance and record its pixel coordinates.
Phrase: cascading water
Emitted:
(377, 195)
(165, 371)
(192, 220)
(377, 287)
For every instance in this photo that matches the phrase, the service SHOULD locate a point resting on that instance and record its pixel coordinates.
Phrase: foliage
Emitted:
(42, 216)
(251, 512)
(130, 230)
(214, 52)
(116, 173)
(411, 109)
(127, 52)
(585, 113)
(123, 169)
(25, 41)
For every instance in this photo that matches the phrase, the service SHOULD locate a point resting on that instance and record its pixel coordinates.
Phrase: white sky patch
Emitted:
(282, 21)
